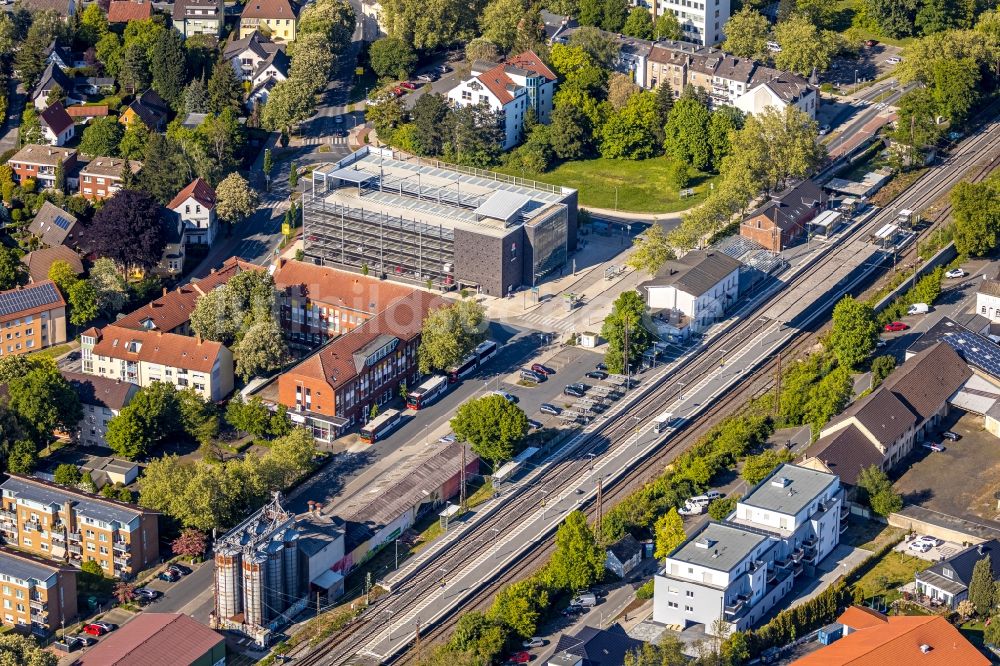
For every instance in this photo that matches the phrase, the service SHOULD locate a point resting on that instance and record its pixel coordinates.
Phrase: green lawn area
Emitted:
(641, 184)
(894, 570)
(868, 534)
(846, 11)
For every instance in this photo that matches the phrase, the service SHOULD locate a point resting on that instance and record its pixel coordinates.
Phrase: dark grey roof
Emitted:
(926, 381)
(316, 532)
(955, 573)
(735, 69)
(24, 567)
(695, 273)
(625, 548)
(60, 52)
(845, 453)
(278, 59)
(787, 208)
(45, 494)
(100, 391)
(786, 85)
(52, 224)
(719, 546)
(978, 351)
(189, 8)
(598, 647)
(882, 414)
(256, 42)
(789, 489)
(50, 77)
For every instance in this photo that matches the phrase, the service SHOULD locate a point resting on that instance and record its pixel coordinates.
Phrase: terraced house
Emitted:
(276, 19)
(62, 524)
(35, 593)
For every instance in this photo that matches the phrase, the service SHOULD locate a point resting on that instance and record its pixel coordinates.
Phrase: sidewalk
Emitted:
(625, 215)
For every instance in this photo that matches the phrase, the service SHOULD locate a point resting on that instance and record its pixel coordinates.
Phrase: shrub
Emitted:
(646, 591)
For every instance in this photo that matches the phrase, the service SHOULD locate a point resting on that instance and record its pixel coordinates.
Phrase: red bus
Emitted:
(426, 393)
(380, 426)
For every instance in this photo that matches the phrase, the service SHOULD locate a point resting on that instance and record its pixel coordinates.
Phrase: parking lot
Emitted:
(941, 550)
(962, 479)
(872, 63)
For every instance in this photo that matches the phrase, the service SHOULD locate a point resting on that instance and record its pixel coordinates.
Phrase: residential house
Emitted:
(36, 594)
(522, 81)
(261, 93)
(689, 294)
(275, 18)
(247, 54)
(102, 399)
(54, 226)
(195, 207)
(702, 23)
(84, 112)
(123, 11)
(60, 56)
(882, 428)
(174, 251)
(988, 295)
(149, 637)
(948, 581)
(93, 85)
(900, 640)
(372, 25)
(591, 646)
(198, 17)
(274, 67)
(737, 571)
(782, 220)
(31, 318)
(102, 177)
(669, 62)
(772, 88)
(64, 524)
(623, 556)
(148, 108)
(105, 469)
(52, 79)
(57, 125)
(335, 388)
(143, 357)
(39, 163)
(171, 312)
(317, 303)
(64, 8)
(40, 261)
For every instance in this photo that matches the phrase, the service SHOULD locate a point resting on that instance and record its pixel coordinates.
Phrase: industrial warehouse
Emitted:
(424, 222)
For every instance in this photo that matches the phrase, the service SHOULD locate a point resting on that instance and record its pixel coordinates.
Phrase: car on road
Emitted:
(531, 375)
(84, 640)
(340, 132)
(443, 69)
(573, 609)
(955, 273)
(919, 546)
(933, 446)
(522, 657)
(541, 369)
(169, 576)
(429, 77)
(338, 120)
(881, 343)
(824, 130)
(506, 396)
(896, 326)
(694, 509)
(713, 495)
(918, 308)
(596, 374)
(546, 408)
(408, 85)
(146, 594)
(533, 424)
(952, 436)
(533, 642)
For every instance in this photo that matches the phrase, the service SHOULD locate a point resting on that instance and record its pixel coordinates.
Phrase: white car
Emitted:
(933, 541)
(506, 396)
(955, 273)
(919, 546)
(533, 642)
(881, 343)
(933, 446)
(824, 130)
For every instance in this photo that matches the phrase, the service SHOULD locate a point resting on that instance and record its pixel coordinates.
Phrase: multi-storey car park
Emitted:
(422, 221)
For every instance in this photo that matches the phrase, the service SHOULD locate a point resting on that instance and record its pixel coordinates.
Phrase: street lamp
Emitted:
(544, 493)
(388, 631)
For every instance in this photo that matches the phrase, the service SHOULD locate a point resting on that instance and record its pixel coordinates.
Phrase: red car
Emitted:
(541, 369)
(398, 92)
(95, 630)
(871, 42)
(408, 85)
(896, 326)
(522, 657)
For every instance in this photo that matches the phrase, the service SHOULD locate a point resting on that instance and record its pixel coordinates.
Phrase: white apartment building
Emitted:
(143, 357)
(740, 569)
(102, 399)
(773, 88)
(702, 21)
(512, 87)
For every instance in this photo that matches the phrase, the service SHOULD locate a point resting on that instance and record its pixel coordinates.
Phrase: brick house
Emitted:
(36, 593)
(782, 220)
(102, 177)
(39, 163)
(31, 318)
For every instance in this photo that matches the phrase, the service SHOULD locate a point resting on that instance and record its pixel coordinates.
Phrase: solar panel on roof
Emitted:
(18, 300)
(62, 222)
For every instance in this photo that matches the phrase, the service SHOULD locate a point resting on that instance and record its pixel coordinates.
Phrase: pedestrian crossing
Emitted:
(543, 322)
(319, 140)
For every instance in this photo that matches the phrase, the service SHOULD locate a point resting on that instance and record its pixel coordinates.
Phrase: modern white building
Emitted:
(773, 88)
(689, 294)
(738, 570)
(512, 87)
(702, 21)
(195, 206)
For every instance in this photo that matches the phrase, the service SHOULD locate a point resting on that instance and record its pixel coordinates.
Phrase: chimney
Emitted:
(197, 338)
(165, 291)
(979, 549)
(281, 262)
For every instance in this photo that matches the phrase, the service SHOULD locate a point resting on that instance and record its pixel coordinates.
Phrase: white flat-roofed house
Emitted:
(512, 87)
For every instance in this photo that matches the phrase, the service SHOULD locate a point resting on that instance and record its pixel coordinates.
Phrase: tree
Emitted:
(128, 230)
(289, 103)
(110, 52)
(480, 48)
(885, 502)
(312, 61)
(279, 424)
(669, 531)
(293, 175)
(855, 332)
(250, 416)
(66, 475)
(93, 25)
(721, 508)
(819, 12)
(747, 33)
(109, 286)
(151, 417)
(12, 271)
(261, 349)
(235, 200)
(101, 137)
(43, 400)
(651, 250)
(492, 426)
(520, 606)
(882, 367)
(124, 592)
(625, 320)
(892, 18)
(196, 97)
(621, 88)
(804, 47)
(476, 136)
(224, 88)
(664, 102)
(976, 211)
(669, 651)
(578, 560)
(134, 74)
(632, 132)
(198, 417)
(571, 132)
(165, 172)
(499, 20)
(23, 457)
(667, 27)
(600, 46)
(449, 334)
(430, 117)
(479, 633)
(167, 67)
(982, 591)
(965, 609)
(30, 130)
(429, 25)
(290, 456)
(724, 121)
(639, 23)
(687, 133)
(530, 31)
(757, 468)
(955, 90)
(24, 651)
(191, 543)
(29, 61)
(134, 142)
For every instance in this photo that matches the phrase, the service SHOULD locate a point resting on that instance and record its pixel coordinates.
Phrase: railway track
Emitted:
(560, 473)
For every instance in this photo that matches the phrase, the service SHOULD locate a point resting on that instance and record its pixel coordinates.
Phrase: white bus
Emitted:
(432, 389)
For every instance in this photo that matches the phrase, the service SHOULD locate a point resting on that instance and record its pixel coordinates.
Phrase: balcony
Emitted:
(8, 515)
(32, 526)
(40, 618)
(122, 547)
(58, 537)
(123, 561)
(810, 541)
(797, 555)
(845, 512)
(37, 604)
(797, 571)
(75, 549)
(843, 526)
(737, 606)
(74, 536)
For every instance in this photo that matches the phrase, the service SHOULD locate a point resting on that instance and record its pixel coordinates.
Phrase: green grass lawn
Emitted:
(894, 570)
(847, 9)
(641, 184)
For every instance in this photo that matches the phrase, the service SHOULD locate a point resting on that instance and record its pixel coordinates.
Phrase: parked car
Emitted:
(408, 85)
(531, 375)
(585, 599)
(443, 69)
(533, 642)
(933, 541)
(919, 546)
(398, 92)
(429, 77)
(949, 435)
(541, 369)
(521, 657)
(99, 628)
(179, 568)
(447, 439)
(713, 495)
(83, 639)
(533, 424)
(573, 609)
(170, 576)
(108, 626)
(506, 396)
(602, 366)
(824, 129)
(918, 308)
(896, 326)
(573, 391)
(774, 47)
(546, 408)
(871, 42)
(146, 594)
(693, 509)
(597, 374)
(955, 273)
(933, 446)
(894, 60)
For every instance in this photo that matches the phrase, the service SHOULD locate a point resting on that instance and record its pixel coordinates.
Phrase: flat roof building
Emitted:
(423, 221)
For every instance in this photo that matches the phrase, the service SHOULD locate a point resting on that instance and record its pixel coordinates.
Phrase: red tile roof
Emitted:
(167, 349)
(123, 11)
(56, 118)
(199, 190)
(337, 288)
(530, 61)
(87, 110)
(859, 617)
(154, 639)
(497, 81)
(40, 261)
(271, 9)
(901, 641)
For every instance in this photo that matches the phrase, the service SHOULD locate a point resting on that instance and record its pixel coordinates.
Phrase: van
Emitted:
(585, 599)
(918, 308)
(894, 60)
